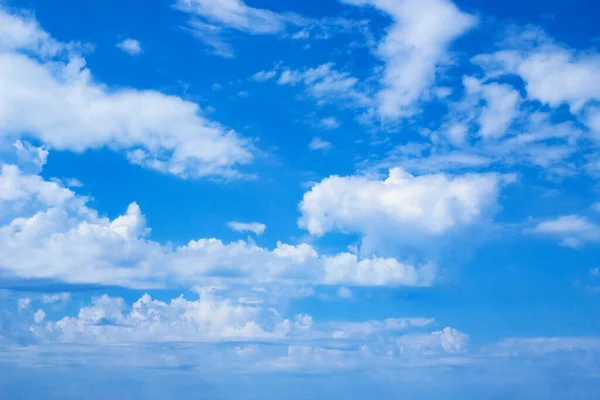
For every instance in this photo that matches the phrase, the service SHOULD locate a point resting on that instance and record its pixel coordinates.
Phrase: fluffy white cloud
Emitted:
(552, 73)
(47, 231)
(58, 102)
(24, 303)
(22, 32)
(57, 298)
(209, 318)
(212, 316)
(39, 316)
(255, 227)
(572, 230)
(130, 46)
(448, 340)
(501, 109)
(347, 268)
(402, 205)
(413, 48)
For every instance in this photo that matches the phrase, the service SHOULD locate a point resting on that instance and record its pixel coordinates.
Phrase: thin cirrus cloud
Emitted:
(56, 100)
(210, 19)
(571, 230)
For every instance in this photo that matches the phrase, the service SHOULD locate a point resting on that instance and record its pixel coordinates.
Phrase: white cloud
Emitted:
(553, 74)
(256, 227)
(413, 48)
(210, 318)
(348, 330)
(57, 298)
(23, 32)
(319, 144)
(448, 340)
(402, 204)
(24, 303)
(595, 272)
(326, 84)
(73, 183)
(572, 230)
(39, 316)
(30, 154)
(234, 14)
(262, 76)
(596, 207)
(303, 34)
(543, 345)
(59, 103)
(209, 19)
(501, 110)
(330, 123)
(347, 268)
(47, 231)
(130, 46)
(344, 293)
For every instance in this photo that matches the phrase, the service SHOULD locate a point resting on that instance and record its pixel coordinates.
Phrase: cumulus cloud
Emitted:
(58, 102)
(39, 316)
(402, 205)
(553, 74)
(572, 230)
(130, 46)
(255, 227)
(448, 340)
(414, 46)
(48, 231)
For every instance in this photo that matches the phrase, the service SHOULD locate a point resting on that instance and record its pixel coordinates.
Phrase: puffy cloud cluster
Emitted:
(403, 205)
(49, 232)
(47, 92)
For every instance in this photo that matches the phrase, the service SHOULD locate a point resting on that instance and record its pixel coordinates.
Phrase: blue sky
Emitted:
(262, 199)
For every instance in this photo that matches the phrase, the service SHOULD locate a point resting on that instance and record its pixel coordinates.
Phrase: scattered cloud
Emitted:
(330, 123)
(255, 227)
(553, 74)
(262, 76)
(319, 144)
(572, 230)
(326, 84)
(414, 46)
(130, 46)
(344, 293)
